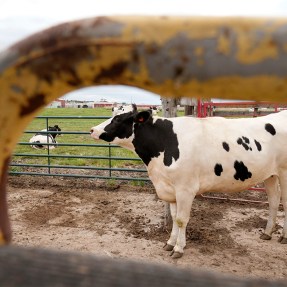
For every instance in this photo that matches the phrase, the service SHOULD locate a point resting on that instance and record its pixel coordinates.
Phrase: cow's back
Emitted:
(225, 154)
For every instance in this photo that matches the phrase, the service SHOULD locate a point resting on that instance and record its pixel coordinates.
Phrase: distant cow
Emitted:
(121, 109)
(40, 140)
(186, 156)
(154, 110)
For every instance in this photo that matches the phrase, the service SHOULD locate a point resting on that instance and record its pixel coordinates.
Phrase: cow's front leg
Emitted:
(183, 204)
(174, 232)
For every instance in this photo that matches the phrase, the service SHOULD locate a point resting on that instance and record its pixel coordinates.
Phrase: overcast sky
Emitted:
(20, 18)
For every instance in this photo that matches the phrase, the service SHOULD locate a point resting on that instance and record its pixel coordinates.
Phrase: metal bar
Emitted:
(110, 161)
(48, 149)
(75, 117)
(76, 156)
(224, 57)
(239, 200)
(238, 104)
(64, 133)
(76, 144)
(43, 267)
(81, 176)
(79, 167)
(232, 199)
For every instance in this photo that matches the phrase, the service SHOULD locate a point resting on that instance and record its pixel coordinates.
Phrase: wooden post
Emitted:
(169, 108)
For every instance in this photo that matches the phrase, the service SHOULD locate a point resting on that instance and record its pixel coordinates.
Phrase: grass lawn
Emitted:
(72, 125)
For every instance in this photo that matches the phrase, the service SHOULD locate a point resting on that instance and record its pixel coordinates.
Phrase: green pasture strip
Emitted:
(76, 149)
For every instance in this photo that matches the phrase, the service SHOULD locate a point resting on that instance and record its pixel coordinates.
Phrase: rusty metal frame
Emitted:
(238, 58)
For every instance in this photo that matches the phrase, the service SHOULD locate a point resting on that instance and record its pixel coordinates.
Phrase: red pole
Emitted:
(199, 115)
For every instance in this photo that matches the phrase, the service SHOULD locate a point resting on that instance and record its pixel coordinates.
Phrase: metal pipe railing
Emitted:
(49, 155)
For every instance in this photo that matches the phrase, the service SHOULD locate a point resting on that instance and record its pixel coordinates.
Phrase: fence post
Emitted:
(110, 161)
(48, 149)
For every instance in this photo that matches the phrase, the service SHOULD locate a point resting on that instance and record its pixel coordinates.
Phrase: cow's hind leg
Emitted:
(174, 232)
(273, 192)
(283, 187)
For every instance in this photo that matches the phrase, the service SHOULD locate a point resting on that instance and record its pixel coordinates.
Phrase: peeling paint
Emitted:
(224, 42)
(239, 58)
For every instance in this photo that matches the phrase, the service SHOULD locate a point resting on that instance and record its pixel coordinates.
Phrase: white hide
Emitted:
(42, 140)
(201, 147)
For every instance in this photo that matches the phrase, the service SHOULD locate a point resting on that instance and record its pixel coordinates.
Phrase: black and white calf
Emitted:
(121, 109)
(154, 110)
(40, 140)
(186, 156)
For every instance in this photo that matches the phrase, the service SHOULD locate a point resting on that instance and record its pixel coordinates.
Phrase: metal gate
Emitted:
(113, 165)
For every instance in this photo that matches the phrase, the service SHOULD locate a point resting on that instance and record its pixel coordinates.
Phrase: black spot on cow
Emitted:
(241, 142)
(226, 146)
(270, 129)
(242, 171)
(258, 145)
(218, 169)
(246, 139)
(152, 138)
(245, 146)
(38, 144)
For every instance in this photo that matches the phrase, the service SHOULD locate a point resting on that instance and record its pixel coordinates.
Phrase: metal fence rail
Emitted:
(18, 165)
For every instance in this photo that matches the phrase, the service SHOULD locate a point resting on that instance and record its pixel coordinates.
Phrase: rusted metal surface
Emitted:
(240, 58)
(5, 227)
(203, 57)
(33, 267)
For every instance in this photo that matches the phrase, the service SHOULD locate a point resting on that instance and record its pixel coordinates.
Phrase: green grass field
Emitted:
(72, 125)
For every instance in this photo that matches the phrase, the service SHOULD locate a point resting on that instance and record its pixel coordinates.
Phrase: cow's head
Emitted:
(120, 128)
(55, 128)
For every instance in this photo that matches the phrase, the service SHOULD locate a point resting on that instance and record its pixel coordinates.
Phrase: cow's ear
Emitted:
(142, 117)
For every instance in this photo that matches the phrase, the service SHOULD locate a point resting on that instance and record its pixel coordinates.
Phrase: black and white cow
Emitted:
(154, 110)
(186, 156)
(121, 109)
(40, 140)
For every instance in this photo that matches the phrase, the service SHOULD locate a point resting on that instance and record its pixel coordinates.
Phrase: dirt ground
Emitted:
(123, 220)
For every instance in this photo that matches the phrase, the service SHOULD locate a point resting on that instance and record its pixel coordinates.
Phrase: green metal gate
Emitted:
(113, 164)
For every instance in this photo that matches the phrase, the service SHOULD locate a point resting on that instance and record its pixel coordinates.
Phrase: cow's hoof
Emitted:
(282, 240)
(168, 247)
(265, 236)
(176, 255)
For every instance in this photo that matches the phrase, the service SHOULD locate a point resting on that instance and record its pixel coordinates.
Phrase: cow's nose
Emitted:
(91, 131)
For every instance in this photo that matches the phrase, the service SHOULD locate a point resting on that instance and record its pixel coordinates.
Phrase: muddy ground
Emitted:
(123, 220)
